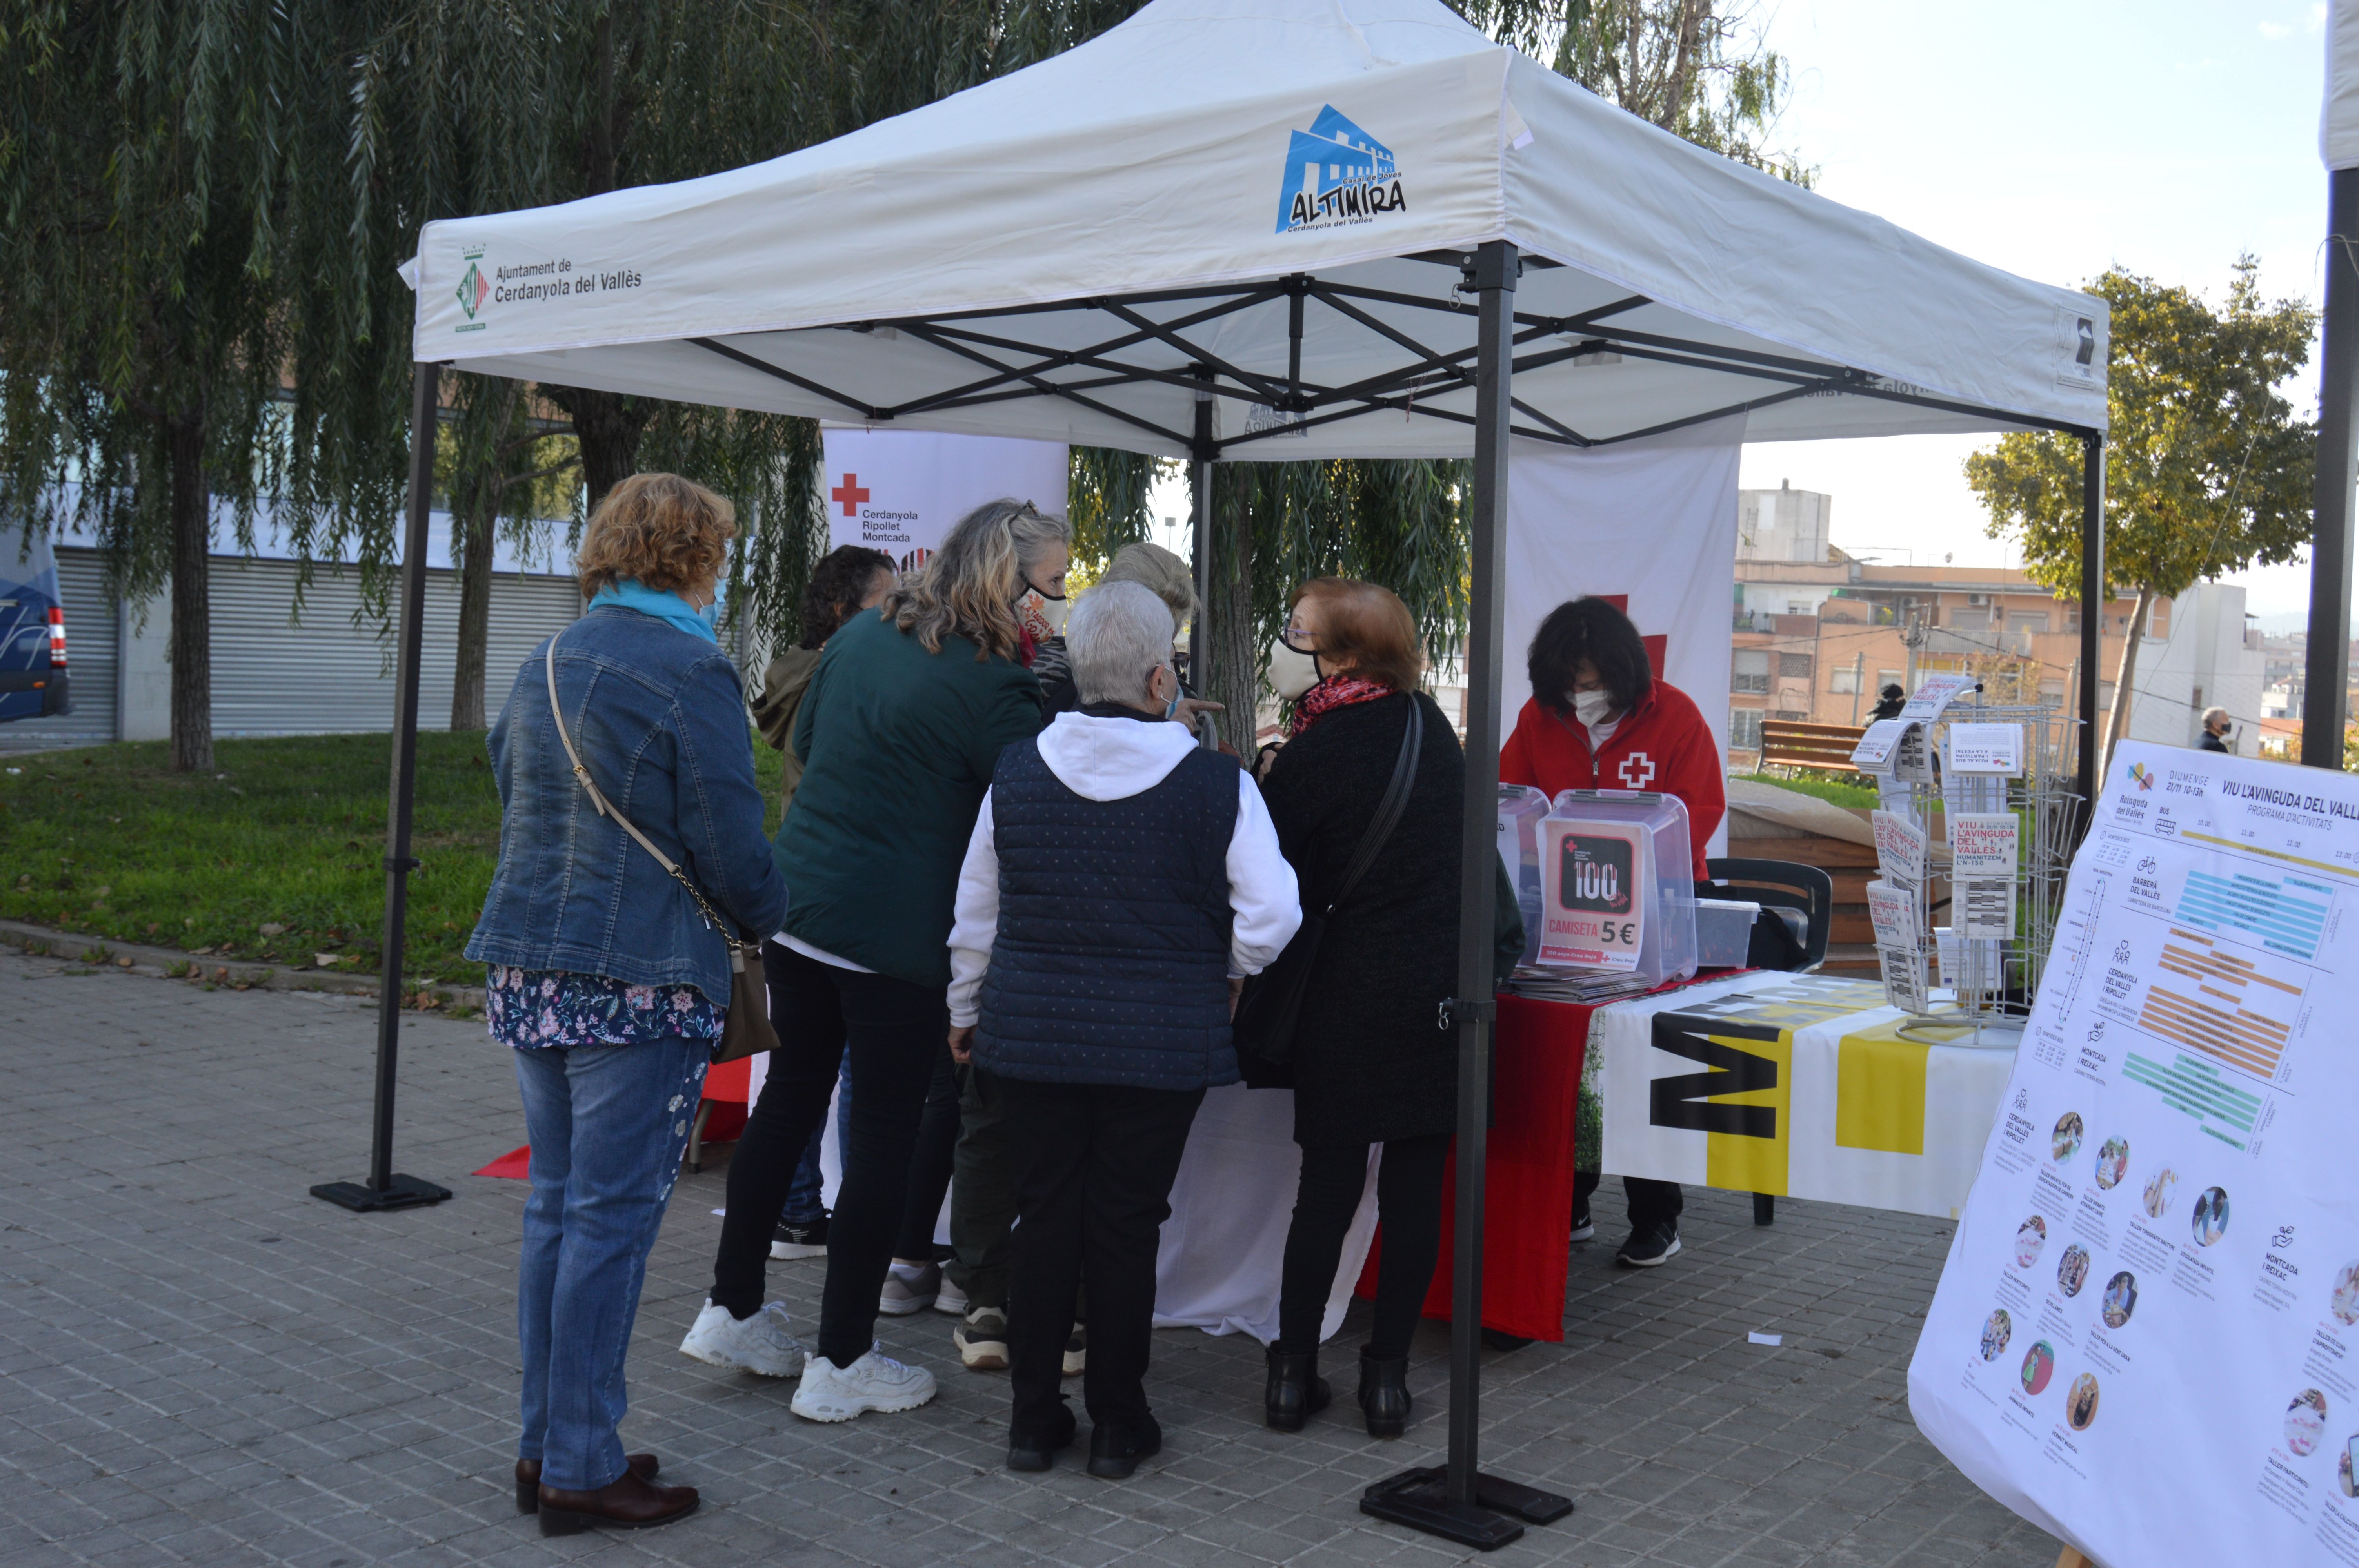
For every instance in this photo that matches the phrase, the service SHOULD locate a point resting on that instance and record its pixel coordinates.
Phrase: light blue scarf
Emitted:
(661, 603)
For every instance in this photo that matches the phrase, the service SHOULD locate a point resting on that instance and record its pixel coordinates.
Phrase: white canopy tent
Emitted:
(1266, 230)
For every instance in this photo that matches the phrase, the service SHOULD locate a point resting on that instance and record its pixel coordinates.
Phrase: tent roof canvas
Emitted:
(1273, 194)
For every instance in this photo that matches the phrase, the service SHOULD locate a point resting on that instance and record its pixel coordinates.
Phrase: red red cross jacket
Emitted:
(1662, 743)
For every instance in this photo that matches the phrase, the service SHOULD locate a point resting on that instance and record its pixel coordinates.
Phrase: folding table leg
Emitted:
(1765, 1209)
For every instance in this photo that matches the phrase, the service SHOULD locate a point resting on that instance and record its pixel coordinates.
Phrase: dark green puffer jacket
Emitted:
(897, 747)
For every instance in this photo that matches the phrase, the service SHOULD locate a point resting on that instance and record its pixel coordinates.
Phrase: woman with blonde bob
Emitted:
(604, 973)
(898, 736)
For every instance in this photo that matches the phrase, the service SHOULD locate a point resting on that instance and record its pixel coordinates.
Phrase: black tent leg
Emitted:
(1200, 478)
(2324, 704)
(384, 1189)
(2094, 602)
(1459, 1503)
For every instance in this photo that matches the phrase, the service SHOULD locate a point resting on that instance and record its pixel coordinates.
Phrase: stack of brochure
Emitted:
(1590, 987)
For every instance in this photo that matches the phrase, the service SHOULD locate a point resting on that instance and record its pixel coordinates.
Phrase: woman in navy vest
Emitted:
(1120, 883)
(1369, 1065)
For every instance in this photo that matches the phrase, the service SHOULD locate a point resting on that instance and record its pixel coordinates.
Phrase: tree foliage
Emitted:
(2207, 466)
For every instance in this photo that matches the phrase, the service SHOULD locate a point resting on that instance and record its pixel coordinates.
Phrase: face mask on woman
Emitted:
(1591, 706)
(1292, 672)
(1039, 613)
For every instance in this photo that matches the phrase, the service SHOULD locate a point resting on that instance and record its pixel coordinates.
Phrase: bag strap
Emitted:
(1388, 809)
(606, 808)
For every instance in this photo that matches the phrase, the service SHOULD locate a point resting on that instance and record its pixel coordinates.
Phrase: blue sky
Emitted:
(2054, 140)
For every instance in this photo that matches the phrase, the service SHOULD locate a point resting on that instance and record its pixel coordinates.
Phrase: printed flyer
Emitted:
(2146, 1337)
(1591, 914)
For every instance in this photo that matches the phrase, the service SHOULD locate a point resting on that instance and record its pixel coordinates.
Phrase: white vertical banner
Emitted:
(901, 491)
(1652, 524)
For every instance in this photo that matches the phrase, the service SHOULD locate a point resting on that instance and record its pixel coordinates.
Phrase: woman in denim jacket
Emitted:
(604, 976)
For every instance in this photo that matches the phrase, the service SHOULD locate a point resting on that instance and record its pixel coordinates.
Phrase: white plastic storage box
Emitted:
(1617, 887)
(1520, 809)
(1724, 932)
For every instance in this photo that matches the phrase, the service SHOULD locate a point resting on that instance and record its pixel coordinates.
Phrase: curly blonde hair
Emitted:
(667, 532)
(968, 588)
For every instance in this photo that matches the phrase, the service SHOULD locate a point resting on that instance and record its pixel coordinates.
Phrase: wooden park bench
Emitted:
(1788, 744)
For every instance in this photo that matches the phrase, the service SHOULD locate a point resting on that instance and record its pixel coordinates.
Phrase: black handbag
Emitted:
(1271, 1005)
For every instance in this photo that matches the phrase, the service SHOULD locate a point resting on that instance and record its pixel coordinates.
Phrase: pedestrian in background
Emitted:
(604, 973)
(898, 735)
(1120, 880)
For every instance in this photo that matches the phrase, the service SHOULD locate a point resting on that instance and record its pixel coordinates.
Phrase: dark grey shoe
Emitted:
(1383, 1393)
(1650, 1247)
(1295, 1391)
(1116, 1450)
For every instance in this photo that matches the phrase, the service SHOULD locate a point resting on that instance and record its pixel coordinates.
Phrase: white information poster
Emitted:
(2146, 1338)
(901, 491)
(1935, 693)
(1986, 749)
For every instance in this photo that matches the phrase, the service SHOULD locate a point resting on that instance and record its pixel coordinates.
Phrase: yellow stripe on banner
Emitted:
(1880, 1092)
(1739, 1164)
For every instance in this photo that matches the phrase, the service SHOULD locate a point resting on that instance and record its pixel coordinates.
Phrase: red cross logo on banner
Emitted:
(1645, 766)
(850, 494)
(1656, 646)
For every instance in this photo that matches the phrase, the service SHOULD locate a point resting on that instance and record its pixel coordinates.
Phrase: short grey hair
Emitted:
(2211, 713)
(1158, 570)
(1119, 631)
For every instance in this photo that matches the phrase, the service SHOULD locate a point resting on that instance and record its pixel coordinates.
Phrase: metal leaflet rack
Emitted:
(1998, 990)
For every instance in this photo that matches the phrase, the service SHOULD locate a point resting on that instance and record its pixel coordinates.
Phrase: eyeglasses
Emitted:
(1296, 638)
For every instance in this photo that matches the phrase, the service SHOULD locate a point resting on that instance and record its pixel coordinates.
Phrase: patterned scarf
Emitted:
(1335, 691)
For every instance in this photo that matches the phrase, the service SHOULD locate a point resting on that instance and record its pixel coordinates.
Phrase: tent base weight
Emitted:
(400, 1191)
(1419, 1499)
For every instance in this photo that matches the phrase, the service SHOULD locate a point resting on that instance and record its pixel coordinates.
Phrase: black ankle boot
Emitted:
(1383, 1393)
(1296, 1392)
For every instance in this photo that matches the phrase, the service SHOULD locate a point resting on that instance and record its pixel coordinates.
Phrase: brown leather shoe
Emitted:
(631, 1503)
(528, 1478)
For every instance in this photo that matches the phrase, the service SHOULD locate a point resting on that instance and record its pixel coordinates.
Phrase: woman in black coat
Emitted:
(1370, 1064)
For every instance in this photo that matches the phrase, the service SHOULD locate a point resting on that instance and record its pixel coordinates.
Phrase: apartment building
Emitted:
(1815, 641)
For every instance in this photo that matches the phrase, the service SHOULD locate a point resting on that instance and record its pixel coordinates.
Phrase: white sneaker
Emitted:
(758, 1343)
(874, 1382)
(951, 1299)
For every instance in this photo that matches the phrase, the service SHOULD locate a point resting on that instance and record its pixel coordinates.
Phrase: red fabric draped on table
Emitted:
(1528, 1195)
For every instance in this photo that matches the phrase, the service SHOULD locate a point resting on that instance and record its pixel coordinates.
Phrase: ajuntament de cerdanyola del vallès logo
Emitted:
(550, 279)
(1336, 173)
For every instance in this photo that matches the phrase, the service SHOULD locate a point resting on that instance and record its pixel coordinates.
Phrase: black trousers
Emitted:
(897, 1032)
(1408, 1200)
(1098, 1163)
(930, 1163)
(1652, 1203)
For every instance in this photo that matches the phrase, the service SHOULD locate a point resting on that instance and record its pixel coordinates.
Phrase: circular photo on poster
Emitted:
(2029, 1239)
(2305, 1422)
(2080, 1404)
(2209, 1221)
(2113, 1162)
(2159, 1188)
(2038, 1366)
(2344, 1302)
(1997, 1329)
(2072, 1269)
(2120, 1300)
(2342, 1476)
(2067, 1140)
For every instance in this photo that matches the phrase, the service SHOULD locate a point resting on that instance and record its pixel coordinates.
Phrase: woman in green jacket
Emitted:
(898, 736)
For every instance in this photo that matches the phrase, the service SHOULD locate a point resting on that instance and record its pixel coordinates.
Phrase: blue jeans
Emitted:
(805, 1205)
(608, 1125)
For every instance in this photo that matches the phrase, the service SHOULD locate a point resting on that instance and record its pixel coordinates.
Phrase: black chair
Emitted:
(1791, 889)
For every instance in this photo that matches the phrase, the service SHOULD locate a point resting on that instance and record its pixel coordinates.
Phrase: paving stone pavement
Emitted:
(202, 1364)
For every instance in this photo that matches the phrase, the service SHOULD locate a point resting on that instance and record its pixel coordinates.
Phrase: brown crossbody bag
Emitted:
(747, 1028)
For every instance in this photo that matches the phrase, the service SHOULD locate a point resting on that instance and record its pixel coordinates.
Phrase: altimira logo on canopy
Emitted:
(1336, 173)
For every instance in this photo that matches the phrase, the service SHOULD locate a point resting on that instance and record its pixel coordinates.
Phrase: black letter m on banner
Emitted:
(1684, 1101)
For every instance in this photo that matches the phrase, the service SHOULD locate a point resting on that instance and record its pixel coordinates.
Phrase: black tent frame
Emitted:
(1456, 1501)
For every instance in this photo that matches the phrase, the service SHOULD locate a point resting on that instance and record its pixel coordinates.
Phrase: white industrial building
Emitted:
(278, 670)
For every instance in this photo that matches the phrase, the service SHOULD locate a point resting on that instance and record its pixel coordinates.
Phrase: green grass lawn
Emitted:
(1826, 786)
(287, 832)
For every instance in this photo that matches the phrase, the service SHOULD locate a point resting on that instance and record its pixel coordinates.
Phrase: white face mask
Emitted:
(1291, 671)
(1041, 615)
(1591, 706)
